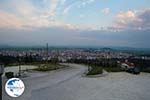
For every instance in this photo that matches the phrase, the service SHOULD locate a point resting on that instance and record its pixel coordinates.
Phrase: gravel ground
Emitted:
(69, 84)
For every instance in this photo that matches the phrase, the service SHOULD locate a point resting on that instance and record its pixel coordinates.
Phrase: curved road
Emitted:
(36, 87)
(68, 84)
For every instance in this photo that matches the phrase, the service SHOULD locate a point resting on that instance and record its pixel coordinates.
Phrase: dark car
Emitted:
(134, 70)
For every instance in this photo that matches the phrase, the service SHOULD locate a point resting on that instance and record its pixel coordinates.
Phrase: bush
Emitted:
(113, 69)
(147, 70)
(9, 74)
(95, 71)
(49, 67)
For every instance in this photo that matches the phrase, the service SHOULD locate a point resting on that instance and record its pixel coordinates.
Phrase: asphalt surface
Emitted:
(70, 84)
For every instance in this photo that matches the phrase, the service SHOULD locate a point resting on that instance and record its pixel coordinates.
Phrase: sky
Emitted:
(119, 23)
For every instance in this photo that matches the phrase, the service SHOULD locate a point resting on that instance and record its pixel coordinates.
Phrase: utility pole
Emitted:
(19, 67)
(47, 52)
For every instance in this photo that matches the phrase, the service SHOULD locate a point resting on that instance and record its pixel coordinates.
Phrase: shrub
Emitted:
(113, 69)
(48, 67)
(95, 71)
(9, 74)
(147, 70)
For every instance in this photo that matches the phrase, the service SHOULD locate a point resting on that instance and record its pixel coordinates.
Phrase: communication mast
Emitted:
(47, 52)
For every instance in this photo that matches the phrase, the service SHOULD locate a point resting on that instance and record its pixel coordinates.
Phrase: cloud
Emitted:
(105, 10)
(27, 16)
(24, 9)
(60, 36)
(84, 3)
(41, 36)
(81, 16)
(48, 14)
(30, 15)
(128, 14)
(62, 2)
(89, 1)
(53, 5)
(12, 21)
(8, 20)
(127, 38)
(137, 20)
(66, 10)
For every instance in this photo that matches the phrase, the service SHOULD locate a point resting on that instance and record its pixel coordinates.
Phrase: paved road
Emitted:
(43, 81)
(68, 84)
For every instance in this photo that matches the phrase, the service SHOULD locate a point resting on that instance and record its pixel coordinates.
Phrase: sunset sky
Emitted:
(75, 23)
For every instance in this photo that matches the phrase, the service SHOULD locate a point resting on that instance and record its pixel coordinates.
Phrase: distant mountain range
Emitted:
(111, 48)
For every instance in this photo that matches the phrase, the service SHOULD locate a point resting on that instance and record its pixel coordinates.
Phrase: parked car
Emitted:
(130, 67)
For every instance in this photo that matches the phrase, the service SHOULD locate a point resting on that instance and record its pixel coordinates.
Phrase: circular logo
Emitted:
(14, 87)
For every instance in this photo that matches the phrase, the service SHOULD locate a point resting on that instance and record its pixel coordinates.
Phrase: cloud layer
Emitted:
(73, 22)
(137, 20)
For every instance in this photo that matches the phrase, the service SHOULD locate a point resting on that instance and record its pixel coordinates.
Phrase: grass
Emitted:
(49, 67)
(113, 69)
(98, 70)
(16, 64)
(147, 70)
(95, 71)
(12, 64)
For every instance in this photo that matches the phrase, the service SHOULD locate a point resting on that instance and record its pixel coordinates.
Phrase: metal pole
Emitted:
(19, 70)
(47, 53)
(19, 67)
(1, 86)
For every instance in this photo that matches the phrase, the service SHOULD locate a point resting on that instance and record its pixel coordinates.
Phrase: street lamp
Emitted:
(1, 73)
(19, 67)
